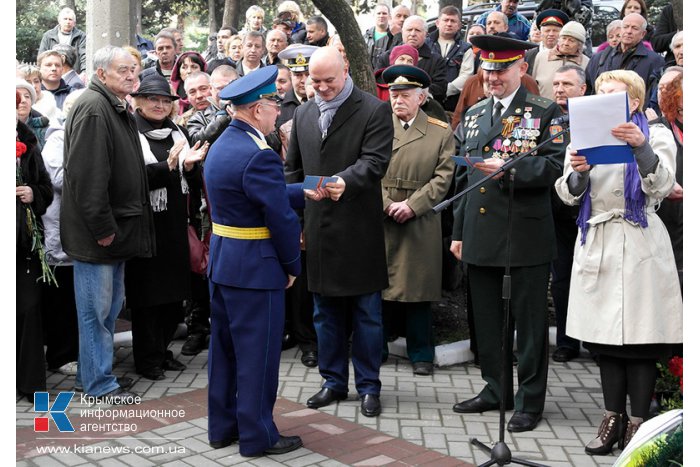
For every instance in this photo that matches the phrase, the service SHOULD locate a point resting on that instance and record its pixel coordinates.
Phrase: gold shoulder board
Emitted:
(260, 142)
(437, 122)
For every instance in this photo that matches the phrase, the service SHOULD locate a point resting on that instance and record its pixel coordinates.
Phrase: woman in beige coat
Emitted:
(625, 300)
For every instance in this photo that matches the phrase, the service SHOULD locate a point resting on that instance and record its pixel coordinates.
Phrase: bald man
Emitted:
(345, 133)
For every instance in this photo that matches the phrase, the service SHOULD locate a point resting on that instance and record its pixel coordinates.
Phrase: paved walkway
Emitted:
(417, 426)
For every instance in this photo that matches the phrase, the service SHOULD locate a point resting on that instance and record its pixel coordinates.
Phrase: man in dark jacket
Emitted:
(316, 32)
(106, 215)
(375, 37)
(51, 68)
(66, 33)
(447, 42)
(414, 33)
(630, 54)
(345, 133)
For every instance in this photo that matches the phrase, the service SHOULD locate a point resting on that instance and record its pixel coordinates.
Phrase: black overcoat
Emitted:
(344, 239)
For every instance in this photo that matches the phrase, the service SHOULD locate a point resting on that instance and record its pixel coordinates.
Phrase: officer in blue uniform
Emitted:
(254, 256)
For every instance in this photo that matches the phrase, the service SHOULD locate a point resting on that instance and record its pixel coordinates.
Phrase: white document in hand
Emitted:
(591, 120)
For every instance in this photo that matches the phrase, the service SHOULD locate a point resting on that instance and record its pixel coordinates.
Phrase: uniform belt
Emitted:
(241, 233)
(402, 184)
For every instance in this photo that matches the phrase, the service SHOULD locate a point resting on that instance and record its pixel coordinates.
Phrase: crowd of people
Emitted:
(115, 186)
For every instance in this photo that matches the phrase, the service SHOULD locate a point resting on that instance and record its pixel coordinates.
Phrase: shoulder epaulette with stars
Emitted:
(539, 101)
(437, 122)
(478, 105)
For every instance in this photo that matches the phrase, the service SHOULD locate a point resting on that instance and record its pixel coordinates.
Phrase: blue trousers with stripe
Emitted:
(244, 360)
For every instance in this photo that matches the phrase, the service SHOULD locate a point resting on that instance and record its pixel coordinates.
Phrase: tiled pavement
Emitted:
(417, 426)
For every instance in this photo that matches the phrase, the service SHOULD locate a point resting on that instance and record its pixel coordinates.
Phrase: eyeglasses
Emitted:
(276, 105)
(164, 101)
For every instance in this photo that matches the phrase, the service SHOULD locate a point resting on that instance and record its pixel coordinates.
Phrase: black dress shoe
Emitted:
(288, 340)
(370, 406)
(285, 444)
(223, 443)
(309, 358)
(171, 364)
(155, 374)
(475, 405)
(194, 344)
(124, 382)
(423, 368)
(28, 395)
(119, 397)
(324, 397)
(564, 354)
(523, 421)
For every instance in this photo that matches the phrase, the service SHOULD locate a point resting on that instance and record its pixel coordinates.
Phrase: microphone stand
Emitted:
(500, 452)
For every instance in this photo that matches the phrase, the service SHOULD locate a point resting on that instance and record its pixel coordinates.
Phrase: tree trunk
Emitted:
(678, 13)
(338, 12)
(181, 23)
(69, 4)
(213, 27)
(230, 13)
(136, 10)
(456, 3)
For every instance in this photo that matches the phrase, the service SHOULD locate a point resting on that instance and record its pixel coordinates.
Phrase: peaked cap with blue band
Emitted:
(256, 85)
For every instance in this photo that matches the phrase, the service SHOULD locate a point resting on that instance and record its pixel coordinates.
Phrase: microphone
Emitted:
(563, 120)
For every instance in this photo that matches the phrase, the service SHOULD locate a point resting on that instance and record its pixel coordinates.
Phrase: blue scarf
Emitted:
(635, 200)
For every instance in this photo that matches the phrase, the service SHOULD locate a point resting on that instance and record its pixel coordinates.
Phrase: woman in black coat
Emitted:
(156, 287)
(35, 191)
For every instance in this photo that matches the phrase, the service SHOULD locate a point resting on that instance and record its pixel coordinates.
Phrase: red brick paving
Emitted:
(357, 443)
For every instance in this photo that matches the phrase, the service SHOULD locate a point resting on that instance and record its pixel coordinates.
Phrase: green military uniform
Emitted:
(481, 223)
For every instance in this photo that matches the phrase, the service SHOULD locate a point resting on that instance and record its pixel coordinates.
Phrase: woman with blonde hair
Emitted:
(291, 10)
(254, 17)
(234, 49)
(625, 301)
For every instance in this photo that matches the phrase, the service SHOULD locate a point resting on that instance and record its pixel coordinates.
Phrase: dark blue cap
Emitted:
(405, 77)
(256, 85)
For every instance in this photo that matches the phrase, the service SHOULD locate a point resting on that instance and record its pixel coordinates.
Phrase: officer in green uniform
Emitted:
(499, 128)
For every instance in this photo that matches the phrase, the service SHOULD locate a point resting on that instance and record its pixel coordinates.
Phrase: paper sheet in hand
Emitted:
(592, 118)
(313, 182)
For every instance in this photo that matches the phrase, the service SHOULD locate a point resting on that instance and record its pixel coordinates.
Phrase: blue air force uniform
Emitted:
(254, 246)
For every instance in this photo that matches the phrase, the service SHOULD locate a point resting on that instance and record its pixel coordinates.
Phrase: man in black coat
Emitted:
(414, 33)
(344, 133)
(498, 129)
(106, 215)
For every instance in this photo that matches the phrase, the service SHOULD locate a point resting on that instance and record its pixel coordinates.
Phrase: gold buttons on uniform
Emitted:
(482, 190)
(482, 210)
(487, 149)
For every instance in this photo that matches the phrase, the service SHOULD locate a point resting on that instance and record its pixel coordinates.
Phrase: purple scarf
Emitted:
(635, 200)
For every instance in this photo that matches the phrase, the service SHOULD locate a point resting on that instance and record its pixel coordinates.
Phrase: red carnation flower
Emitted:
(21, 149)
(675, 366)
